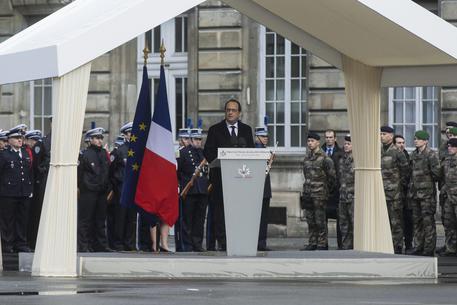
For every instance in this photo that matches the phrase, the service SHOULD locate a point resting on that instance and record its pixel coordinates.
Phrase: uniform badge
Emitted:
(37, 149)
(112, 158)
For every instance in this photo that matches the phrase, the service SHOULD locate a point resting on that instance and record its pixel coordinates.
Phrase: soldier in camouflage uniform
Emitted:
(320, 178)
(395, 172)
(449, 174)
(451, 132)
(422, 194)
(346, 204)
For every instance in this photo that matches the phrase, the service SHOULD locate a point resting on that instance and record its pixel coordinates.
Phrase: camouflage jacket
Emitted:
(425, 172)
(320, 176)
(346, 177)
(449, 174)
(442, 153)
(395, 172)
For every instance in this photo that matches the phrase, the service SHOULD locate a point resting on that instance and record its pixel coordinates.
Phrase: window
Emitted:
(283, 88)
(179, 28)
(41, 105)
(181, 102)
(174, 36)
(181, 34)
(412, 109)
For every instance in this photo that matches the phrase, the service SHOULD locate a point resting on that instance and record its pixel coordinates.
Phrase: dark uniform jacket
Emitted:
(188, 161)
(16, 179)
(93, 170)
(118, 161)
(40, 162)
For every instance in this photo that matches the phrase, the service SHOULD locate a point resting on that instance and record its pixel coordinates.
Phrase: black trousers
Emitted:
(178, 228)
(14, 219)
(92, 221)
(35, 212)
(123, 228)
(263, 230)
(408, 226)
(144, 234)
(194, 212)
(217, 207)
(210, 234)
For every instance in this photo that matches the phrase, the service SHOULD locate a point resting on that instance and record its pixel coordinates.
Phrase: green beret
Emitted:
(453, 131)
(422, 135)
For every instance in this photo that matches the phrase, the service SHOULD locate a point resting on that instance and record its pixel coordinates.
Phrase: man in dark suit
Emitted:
(230, 132)
(335, 153)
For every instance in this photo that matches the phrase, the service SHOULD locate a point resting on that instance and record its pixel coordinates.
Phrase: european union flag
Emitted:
(138, 139)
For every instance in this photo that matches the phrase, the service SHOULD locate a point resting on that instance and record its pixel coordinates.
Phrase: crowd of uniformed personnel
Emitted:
(104, 225)
(411, 184)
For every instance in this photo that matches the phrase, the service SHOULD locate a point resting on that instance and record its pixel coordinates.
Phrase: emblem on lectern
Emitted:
(244, 171)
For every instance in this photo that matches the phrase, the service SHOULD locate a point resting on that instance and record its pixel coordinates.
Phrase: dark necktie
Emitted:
(233, 134)
(329, 151)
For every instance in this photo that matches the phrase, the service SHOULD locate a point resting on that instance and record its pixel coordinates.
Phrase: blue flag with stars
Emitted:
(138, 139)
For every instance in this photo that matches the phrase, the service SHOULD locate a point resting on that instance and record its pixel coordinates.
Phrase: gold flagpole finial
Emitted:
(162, 52)
(146, 54)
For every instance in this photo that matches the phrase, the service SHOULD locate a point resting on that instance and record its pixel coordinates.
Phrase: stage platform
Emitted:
(266, 265)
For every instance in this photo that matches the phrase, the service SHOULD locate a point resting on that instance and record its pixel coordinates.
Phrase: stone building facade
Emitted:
(214, 53)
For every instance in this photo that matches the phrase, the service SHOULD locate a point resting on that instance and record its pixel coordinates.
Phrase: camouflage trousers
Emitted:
(317, 224)
(346, 215)
(424, 224)
(450, 222)
(442, 201)
(395, 210)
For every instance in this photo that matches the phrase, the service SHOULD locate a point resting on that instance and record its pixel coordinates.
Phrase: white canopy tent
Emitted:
(374, 42)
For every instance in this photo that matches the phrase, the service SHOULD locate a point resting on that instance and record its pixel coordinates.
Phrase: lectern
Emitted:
(243, 180)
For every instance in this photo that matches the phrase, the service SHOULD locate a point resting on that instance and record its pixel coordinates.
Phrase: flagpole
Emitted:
(162, 51)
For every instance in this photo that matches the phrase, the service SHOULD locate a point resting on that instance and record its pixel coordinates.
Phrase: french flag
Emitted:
(157, 189)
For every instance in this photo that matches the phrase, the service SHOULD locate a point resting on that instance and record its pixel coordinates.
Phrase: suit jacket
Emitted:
(219, 136)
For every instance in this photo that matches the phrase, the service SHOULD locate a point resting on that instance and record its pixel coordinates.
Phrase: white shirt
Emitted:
(229, 127)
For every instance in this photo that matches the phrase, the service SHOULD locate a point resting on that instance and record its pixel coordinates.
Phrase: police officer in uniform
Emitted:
(320, 179)
(425, 173)
(182, 242)
(16, 187)
(40, 169)
(3, 139)
(261, 141)
(395, 172)
(123, 237)
(195, 203)
(94, 186)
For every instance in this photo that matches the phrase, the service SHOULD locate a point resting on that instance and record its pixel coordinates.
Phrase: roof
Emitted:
(416, 47)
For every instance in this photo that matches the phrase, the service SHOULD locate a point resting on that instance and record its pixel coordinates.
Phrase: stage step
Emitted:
(267, 265)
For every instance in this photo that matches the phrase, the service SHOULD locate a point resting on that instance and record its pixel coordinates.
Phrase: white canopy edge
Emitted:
(442, 75)
(79, 33)
(86, 29)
